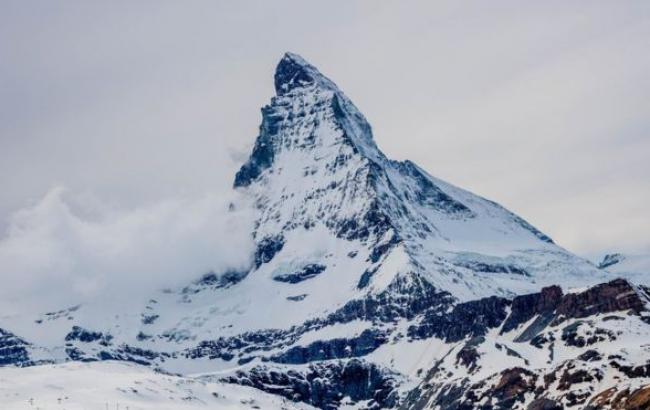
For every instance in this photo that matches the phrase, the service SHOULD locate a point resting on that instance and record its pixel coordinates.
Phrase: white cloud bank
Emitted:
(64, 250)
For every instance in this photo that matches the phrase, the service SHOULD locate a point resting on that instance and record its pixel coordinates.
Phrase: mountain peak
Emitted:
(315, 171)
(293, 71)
(309, 113)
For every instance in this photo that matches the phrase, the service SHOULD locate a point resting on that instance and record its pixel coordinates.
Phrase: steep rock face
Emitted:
(467, 319)
(315, 164)
(368, 341)
(578, 352)
(370, 279)
(13, 350)
(327, 386)
(604, 298)
(525, 307)
(621, 399)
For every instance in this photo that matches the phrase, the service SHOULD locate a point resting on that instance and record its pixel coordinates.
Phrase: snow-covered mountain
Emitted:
(373, 285)
(635, 267)
(316, 172)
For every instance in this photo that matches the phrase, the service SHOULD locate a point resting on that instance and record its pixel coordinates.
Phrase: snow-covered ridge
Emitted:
(624, 262)
(635, 267)
(315, 164)
(367, 274)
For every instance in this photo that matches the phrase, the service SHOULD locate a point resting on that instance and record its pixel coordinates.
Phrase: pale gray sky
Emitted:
(543, 107)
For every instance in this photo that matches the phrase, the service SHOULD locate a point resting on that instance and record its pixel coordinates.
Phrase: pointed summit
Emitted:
(315, 172)
(293, 71)
(309, 113)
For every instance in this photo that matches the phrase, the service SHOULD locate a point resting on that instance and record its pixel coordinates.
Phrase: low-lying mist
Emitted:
(67, 249)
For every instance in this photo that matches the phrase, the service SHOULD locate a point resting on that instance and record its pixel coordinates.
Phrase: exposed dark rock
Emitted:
(570, 335)
(524, 224)
(307, 272)
(540, 340)
(569, 378)
(404, 298)
(143, 336)
(513, 385)
(368, 341)
(468, 356)
(132, 354)
(526, 307)
(638, 399)
(591, 336)
(267, 248)
(544, 404)
(88, 336)
(614, 296)
(297, 298)
(291, 73)
(76, 354)
(447, 397)
(364, 280)
(491, 267)
(624, 399)
(534, 329)
(513, 353)
(511, 388)
(13, 350)
(471, 319)
(374, 223)
(590, 356)
(574, 398)
(324, 385)
(381, 249)
(632, 371)
(263, 152)
(225, 348)
(149, 319)
(610, 259)
(212, 280)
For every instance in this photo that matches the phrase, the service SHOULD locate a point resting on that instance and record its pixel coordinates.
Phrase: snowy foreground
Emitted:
(118, 385)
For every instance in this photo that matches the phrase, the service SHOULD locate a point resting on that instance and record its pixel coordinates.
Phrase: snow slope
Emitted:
(362, 265)
(327, 195)
(633, 267)
(337, 222)
(118, 385)
(316, 168)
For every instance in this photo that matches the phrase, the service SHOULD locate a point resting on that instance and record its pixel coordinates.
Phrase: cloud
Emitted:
(68, 249)
(541, 106)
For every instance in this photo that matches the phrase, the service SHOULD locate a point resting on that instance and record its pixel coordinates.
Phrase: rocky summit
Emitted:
(373, 285)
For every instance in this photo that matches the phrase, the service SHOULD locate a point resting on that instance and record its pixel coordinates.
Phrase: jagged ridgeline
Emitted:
(373, 285)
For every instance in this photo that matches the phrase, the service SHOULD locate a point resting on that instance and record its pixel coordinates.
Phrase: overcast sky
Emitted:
(543, 107)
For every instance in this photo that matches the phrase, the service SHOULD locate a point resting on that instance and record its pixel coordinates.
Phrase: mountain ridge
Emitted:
(373, 285)
(312, 123)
